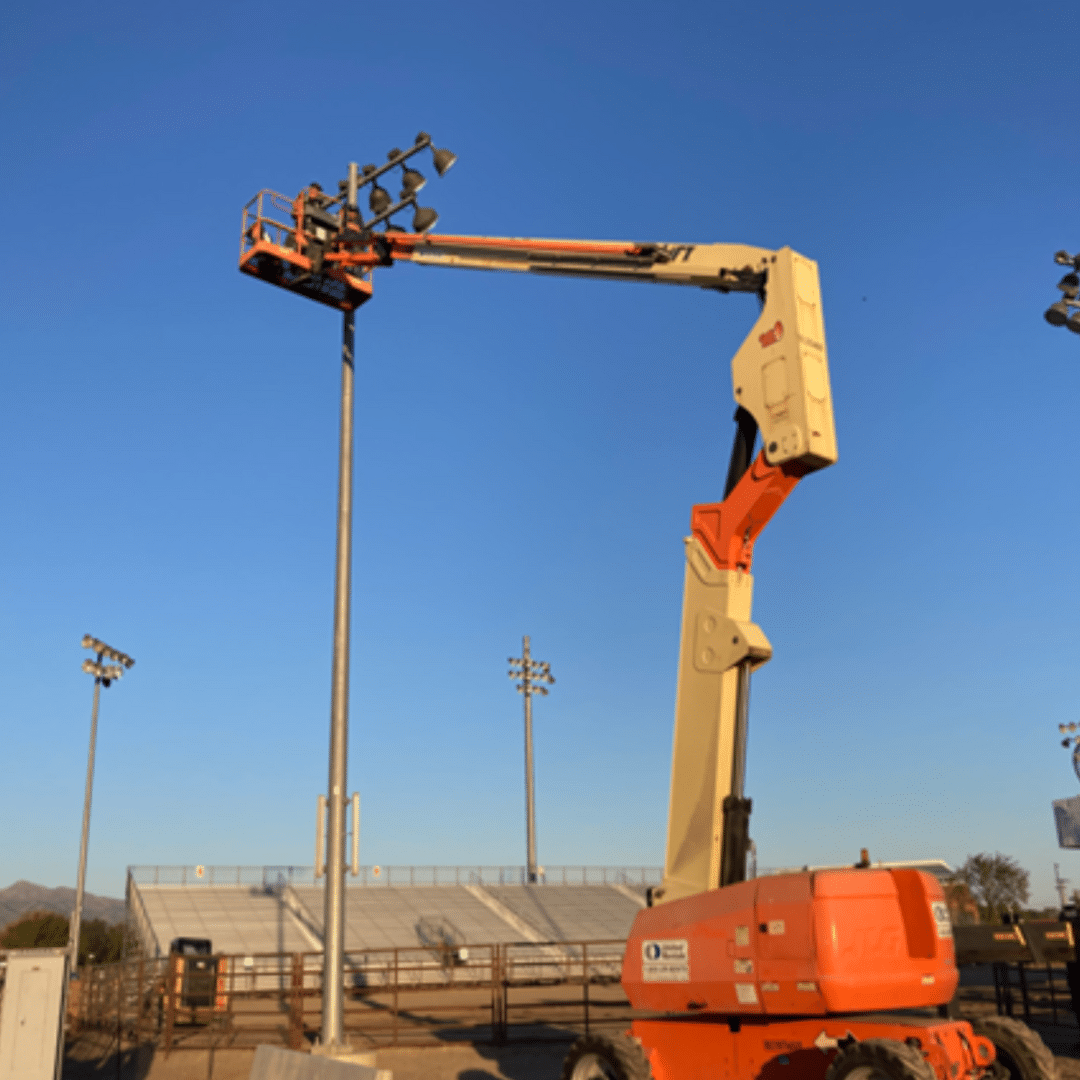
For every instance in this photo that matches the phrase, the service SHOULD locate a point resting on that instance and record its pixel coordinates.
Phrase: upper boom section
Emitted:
(723, 267)
(779, 375)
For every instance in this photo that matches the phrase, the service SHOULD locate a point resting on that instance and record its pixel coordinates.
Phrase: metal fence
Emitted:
(275, 876)
(414, 996)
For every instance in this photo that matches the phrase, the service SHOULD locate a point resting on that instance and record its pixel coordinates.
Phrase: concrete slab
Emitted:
(277, 1063)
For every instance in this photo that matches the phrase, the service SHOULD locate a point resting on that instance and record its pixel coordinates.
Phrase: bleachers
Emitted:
(572, 912)
(236, 920)
(380, 916)
(250, 910)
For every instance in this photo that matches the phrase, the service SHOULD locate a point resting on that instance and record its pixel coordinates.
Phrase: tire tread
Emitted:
(895, 1059)
(1023, 1045)
(621, 1051)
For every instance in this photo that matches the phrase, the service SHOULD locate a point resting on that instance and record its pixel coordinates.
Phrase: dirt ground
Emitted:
(92, 1058)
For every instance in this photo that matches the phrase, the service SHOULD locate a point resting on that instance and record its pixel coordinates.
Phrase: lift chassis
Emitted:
(837, 974)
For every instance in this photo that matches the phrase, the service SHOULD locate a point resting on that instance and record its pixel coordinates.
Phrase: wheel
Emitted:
(880, 1058)
(606, 1057)
(1019, 1049)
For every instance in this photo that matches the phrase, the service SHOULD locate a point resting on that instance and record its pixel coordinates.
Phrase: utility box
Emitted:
(31, 1015)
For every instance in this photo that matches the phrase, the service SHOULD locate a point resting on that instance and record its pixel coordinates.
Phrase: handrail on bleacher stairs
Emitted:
(269, 877)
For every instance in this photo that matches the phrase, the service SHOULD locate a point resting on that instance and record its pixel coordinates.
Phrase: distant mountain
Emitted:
(24, 896)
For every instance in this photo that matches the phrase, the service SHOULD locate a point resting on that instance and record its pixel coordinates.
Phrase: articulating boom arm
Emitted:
(780, 381)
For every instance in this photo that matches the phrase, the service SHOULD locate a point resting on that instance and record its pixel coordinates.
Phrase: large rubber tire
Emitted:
(606, 1057)
(880, 1058)
(1019, 1049)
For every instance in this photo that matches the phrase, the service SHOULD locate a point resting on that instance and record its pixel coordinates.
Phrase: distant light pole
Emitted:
(103, 675)
(1060, 883)
(533, 675)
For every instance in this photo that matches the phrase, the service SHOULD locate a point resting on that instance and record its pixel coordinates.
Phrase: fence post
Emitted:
(120, 973)
(585, 981)
(498, 998)
(1024, 992)
(296, 1003)
(140, 989)
(493, 953)
(171, 979)
(504, 983)
(395, 1042)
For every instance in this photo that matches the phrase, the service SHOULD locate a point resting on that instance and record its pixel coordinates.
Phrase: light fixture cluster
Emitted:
(534, 674)
(1066, 312)
(105, 672)
(382, 204)
(1070, 739)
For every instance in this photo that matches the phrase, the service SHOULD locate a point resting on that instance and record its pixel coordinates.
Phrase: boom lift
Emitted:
(807, 975)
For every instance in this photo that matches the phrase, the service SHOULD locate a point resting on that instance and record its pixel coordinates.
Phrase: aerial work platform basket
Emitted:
(285, 242)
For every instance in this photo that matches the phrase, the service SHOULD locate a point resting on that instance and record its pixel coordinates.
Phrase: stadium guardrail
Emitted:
(279, 876)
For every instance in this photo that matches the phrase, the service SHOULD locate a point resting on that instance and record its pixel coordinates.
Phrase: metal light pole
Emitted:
(334, 916)
(533, 675)
(328, 255)
(103, 674)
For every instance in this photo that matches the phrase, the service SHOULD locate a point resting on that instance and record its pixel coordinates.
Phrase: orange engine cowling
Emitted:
(813, 943)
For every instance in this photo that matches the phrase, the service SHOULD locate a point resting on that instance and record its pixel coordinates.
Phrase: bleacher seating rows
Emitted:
(254, 919)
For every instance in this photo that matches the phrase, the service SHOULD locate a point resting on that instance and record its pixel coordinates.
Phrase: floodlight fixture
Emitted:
(443, 160)
(411, 181)
(103, 650)
(1057, 314)
(379, 199)
(424, 219)
(1066, 312)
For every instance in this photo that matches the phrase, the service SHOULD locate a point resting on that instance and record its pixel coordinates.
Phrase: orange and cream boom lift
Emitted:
(835, 973)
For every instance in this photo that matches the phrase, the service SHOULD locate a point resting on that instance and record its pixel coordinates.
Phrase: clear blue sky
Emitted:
(528, 450)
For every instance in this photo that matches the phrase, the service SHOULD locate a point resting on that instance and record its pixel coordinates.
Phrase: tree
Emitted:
(963, 910)
(998, 883)
(45, 929)
(36, 930)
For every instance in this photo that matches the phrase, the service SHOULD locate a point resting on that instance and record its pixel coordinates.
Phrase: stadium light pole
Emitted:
(103, 675)
(332, 1035)
(322, 231)
(533, 674)
(334, 914)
